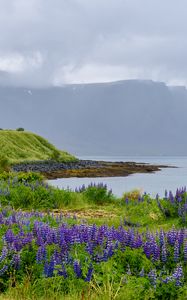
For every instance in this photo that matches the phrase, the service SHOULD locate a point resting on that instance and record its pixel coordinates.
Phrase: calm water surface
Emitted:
(169, 178)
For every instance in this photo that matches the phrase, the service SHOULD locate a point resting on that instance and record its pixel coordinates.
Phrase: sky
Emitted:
(57, 42)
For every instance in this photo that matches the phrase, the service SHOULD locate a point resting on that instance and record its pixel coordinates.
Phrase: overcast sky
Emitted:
(54, 42)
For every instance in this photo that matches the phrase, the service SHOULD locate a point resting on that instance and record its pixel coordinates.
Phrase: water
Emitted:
(169, 178)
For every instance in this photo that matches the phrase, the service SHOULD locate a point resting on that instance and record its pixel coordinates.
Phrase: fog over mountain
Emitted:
(132, 117)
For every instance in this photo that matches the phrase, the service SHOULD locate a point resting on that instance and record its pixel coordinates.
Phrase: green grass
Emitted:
(94, 205)
(21, 146)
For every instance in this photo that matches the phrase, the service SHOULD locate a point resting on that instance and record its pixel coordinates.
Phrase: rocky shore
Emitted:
(86, 168)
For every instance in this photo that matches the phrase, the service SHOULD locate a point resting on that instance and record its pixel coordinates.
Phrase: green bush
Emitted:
(20, 129)
(21, 176)
(98, 194)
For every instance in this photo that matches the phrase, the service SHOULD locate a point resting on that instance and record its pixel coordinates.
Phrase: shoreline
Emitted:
(86, 168)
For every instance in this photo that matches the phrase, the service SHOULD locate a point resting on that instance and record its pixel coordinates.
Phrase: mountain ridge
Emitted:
(128, 117)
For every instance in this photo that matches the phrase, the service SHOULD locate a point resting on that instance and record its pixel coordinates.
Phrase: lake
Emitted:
(169, 178)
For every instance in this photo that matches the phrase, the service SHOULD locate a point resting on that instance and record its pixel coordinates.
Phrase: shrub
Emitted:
(21, 176)
(20, 129)
(98, 194)
(132, 195)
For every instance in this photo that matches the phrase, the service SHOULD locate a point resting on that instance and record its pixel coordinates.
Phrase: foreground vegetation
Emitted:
(87, 244)
(22, 146)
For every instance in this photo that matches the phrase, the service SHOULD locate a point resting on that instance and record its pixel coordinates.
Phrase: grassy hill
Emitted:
(20, 146)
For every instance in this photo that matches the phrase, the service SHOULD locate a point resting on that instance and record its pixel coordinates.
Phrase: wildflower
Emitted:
(153, 277)
(89, 274)
(164, 253)
(142, 273)
(176, 251)
(77, 268)
(178, 275)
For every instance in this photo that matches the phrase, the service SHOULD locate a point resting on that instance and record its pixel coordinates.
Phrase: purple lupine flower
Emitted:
(156, 252)
(3, 270)
(77, 268)
(161, 238)
(164, 253)
(41, 254)
(63, 272)
(89, 273)
(16, 261)
(176, 251)
(147, 249)
(138, 241)
(167, 279)
(172, 236)
(49, 268)
(9, 236)
(185, 251)
(17, 243)
(142, 272)
(171, 197)
(181, 236)
(179, 199)
(177, 193)
(153, 277)
(178, 275)
(4, 253)
(110, 251)
(90, 248)
(105, 256)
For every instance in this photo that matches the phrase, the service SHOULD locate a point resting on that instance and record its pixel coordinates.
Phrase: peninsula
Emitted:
(26, 151)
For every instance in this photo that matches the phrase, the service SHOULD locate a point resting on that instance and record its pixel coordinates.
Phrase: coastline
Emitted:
(86, 168)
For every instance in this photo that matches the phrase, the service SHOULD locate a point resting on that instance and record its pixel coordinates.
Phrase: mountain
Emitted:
(131, 117)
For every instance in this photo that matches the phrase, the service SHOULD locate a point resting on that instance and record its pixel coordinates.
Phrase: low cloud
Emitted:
(45, 42)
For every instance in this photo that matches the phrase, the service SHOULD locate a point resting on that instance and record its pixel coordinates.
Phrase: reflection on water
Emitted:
(169, 178)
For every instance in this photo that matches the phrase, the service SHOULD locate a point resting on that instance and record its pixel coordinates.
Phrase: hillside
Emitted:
(20, 146)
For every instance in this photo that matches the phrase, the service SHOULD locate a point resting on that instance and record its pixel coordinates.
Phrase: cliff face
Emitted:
(122, 118)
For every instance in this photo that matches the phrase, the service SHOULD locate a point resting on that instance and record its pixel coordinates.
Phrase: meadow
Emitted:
(88, 244)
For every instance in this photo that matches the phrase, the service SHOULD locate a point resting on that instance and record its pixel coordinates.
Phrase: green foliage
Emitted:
(28, 191)
(144, 213)
(133, 258)
(132, 195)
(20, 129)
(111, 279)
(166, 291)
(98, 194)
(175, 207)
(23, 146)
(21, 176)
(4, 163)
